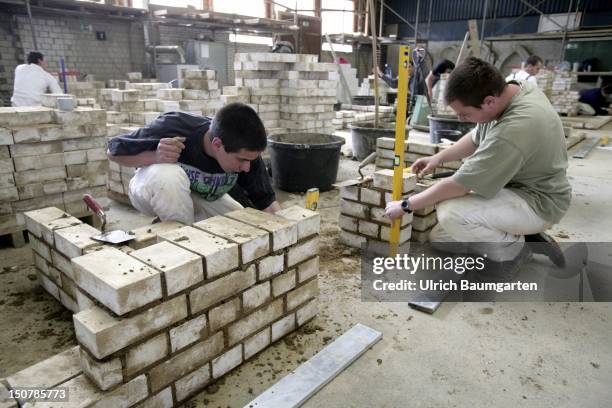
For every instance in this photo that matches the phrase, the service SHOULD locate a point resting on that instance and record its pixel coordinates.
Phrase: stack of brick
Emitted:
(544, 80)
(413, 150)
(440, 106)
(148, 90)
(118, 179)
(290, 92)
(364, 113)
(183, 305)
(562, 96)
(362, 212)
(87, 93)
(49, 157)
(367, 88)
(201, 93)
(343, 119)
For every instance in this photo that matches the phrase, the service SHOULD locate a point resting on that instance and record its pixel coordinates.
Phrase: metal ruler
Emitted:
(586, 147)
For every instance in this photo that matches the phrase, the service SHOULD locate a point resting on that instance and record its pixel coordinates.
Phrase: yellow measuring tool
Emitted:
(400, 138)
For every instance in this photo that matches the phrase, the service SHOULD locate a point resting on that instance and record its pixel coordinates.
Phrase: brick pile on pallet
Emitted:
(291, 92)
(180, 307)
(385, 152)
(362, 212)
(544, 80)
(49, 157)
(362, 113)
(563, 97)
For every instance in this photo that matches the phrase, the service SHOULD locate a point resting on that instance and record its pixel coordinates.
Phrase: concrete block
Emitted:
(227, 361)
(254, 242)
(104, 334)
(354, 209)
(147, 235)
(283, 232)
(219, 254)
(283, 283)
(308, 222)
(368, 228)
(255, 321)
(270, 266)
(72, 241)
(255, 296)
(188, 333)
(180, 268)
(211, 293)
(105, 374)
(145, 354)
(303, 251)
(185, 362)
(256, 343)
(192, 382)
(50, 372)
(301, 294)
(348, 223)
(117, 280)
(308, 269)
(383, 179)
(283, 327)
(306, 312)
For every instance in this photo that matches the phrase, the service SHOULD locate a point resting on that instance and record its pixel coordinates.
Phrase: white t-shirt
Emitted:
(31, 81)
(522, 76)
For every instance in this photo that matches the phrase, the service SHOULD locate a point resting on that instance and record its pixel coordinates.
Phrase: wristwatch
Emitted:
(406, 206)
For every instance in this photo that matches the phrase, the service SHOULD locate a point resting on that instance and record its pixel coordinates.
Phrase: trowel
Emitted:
(110, 237)
(362, 178)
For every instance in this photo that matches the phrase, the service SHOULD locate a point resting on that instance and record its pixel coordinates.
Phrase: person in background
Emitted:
(443, 67)
(32, 80)
(597, 99)
(533, 65)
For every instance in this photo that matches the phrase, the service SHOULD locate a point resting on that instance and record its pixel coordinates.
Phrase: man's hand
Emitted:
(394, 209)
(425, 165)
(169, 149)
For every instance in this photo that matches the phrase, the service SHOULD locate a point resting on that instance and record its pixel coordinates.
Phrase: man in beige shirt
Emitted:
(513, 185)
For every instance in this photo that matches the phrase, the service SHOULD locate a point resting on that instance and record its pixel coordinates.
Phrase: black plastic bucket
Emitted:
(438, 122)
(304, 160)
(437, 135)
(364, 137)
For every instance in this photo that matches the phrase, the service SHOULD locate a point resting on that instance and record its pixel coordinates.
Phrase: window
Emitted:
(335, 22)
(253, 8)
(293, 4)
(250, 39)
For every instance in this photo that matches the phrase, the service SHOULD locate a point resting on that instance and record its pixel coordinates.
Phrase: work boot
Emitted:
(546, 245)
(504, 271)
(156, 220)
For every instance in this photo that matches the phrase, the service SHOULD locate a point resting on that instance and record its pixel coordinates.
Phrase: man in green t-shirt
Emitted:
(513, 185)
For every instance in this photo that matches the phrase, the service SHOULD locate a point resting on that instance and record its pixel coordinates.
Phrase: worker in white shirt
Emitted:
(32, 80)
(533, 65)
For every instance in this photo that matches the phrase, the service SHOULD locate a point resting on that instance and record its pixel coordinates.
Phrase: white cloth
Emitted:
(163, 190)
(496, 226)
(31, 81)
(522, 76)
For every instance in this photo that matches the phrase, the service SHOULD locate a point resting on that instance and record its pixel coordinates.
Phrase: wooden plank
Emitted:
(473, 28)
(314, 374)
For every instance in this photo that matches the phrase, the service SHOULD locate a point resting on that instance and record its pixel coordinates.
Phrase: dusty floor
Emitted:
(467, 354)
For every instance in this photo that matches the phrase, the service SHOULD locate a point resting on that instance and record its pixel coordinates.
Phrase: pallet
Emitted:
(586, 122)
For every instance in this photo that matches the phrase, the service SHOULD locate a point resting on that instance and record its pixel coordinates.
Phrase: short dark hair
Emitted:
(34, 57)
(473, 81)
(533, 60)
(239, 127)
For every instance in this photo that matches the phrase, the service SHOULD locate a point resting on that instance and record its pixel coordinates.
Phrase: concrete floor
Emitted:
(466, 354)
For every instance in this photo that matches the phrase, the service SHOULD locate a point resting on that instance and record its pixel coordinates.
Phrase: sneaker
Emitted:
(546, 245)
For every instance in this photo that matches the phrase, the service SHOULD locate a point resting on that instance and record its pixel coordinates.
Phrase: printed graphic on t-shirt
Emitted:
(210, 186)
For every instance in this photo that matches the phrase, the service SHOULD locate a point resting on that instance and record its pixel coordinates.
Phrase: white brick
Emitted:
(116, 280)
(354, 209)
(348, 223)
(255, 321)
(306, 312)
(211, 293)
(303, 251)
(369, 196)
(284, 232)
(383, 179)
(283, 283)
(224, 314)
(181, 268)
(192, 382)
(146, 354)
(350, 192)
(227, 361)
(162, 399)
(282, 327)
(187, 333)
(405, 233)
(270, 266)
(220, 255)
(301, 294)
(72, 241)
(308, 222)
(255, 344)
(378, 214)
(254, 242)
(368, 228)
(105, 374)
(256, 296)
(308, 269)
